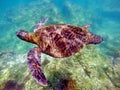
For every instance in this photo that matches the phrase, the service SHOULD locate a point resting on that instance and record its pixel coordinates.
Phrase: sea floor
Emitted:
(95, 67)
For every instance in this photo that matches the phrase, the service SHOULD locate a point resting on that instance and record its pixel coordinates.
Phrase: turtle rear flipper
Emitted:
(34, 65)
(95, 39)
(40, 24)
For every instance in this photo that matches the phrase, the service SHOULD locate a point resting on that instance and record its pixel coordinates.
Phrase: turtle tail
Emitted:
(95, 39)
(34, 65)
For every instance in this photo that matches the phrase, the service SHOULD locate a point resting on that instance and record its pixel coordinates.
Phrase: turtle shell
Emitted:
(61, 40)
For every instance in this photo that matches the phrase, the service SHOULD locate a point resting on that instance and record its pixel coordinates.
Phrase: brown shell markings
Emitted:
(60, 40)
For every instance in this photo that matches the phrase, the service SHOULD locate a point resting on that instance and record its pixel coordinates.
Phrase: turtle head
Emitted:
(24, 35)
(95, 39)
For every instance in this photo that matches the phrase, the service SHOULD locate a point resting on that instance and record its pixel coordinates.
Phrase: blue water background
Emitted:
(103, 15)
(98, 65)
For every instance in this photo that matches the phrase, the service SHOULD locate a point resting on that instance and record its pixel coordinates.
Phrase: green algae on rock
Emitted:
(85, 70)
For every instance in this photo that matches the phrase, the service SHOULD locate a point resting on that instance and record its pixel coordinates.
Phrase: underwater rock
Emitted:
(113, 76)
(12, 85)
(82, 71)
(85, 68)
(66, 84)
(10, 69)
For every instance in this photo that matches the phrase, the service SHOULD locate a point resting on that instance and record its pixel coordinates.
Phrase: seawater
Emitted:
(24, 14)
(103, 15)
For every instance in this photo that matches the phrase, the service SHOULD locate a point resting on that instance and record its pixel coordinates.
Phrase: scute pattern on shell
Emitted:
(61, 40)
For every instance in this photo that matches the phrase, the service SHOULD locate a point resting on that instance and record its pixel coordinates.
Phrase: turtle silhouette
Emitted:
(56, 40)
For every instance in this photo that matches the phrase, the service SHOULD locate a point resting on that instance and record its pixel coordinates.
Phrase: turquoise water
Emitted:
(103, 15)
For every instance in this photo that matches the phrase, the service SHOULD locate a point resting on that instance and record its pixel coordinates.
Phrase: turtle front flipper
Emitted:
(34, 65)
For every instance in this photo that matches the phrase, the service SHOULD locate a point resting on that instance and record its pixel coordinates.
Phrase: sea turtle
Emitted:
(56, 40)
